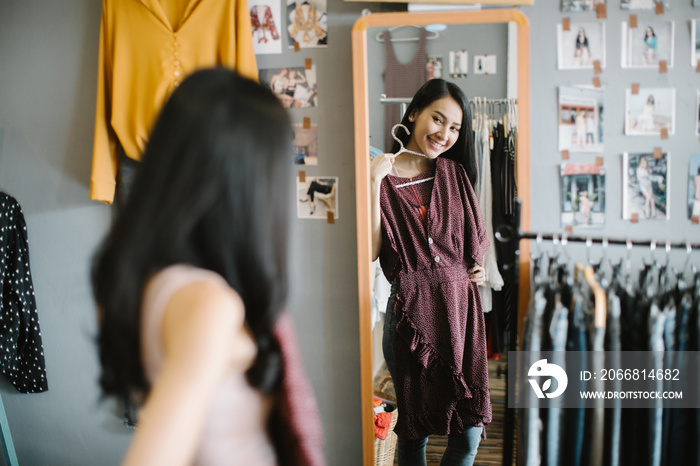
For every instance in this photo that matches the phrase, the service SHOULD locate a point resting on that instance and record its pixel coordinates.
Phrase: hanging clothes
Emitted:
(494, 280)
(21, 346)
(502, 180)
(643, 314)
(145, 52)
(401, 80)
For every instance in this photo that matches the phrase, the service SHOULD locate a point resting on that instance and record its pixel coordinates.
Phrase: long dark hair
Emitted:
(463, 149)
(209, 193)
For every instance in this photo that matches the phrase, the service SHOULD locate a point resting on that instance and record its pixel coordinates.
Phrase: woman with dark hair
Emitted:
(191, 280)
(582, 51)
(650, 45)
(428, 233)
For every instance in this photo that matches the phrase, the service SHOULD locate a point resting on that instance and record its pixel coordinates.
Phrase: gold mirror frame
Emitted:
(362, 194)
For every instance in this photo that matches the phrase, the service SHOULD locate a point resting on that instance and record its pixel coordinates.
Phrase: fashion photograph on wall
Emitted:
(580, 119)
(459, 63)
(694, 43)
(265, 20)
(295, 87)
(646, 45)
(308, 23)
(580, 5)
(582, 195)
(305, 144)
(434, 67)
(316, 196)
(694, 188)
(650, 111)
(580, 46)
(644, 4)
(646, 192)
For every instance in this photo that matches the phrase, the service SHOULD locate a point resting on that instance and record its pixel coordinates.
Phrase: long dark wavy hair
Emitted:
(210, 192)
(463, 150)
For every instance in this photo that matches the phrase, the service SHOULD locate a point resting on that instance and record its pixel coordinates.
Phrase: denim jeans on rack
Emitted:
(530, 423)
(558, 330)
(657, 324)
(611, 448)
(575, 419)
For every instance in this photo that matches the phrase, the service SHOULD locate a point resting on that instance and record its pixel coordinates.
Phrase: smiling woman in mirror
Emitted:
(430, 238)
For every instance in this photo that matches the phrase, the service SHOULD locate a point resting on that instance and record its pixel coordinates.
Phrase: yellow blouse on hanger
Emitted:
(143, 57)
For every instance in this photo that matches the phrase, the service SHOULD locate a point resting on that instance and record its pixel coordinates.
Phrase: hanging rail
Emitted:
(504, 236)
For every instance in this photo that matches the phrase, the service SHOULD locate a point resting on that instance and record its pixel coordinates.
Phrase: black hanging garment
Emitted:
(21, 351)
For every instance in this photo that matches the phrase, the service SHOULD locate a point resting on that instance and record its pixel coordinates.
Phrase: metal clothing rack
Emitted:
(404, 101)
(507, 234)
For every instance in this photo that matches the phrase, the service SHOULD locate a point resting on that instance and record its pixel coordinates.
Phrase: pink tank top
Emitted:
(401, 80)
(236, 428)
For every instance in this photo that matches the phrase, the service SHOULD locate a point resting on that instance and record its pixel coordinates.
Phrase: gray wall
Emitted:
(545, 158)
(48, 55)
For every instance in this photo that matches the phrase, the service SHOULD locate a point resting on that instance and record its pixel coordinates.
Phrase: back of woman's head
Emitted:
(463, 150)
(210, 192)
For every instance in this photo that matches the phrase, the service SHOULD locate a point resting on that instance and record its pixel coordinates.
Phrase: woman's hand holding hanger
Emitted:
(380, 167)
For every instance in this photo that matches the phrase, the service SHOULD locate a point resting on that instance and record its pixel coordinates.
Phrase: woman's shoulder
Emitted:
(203, 288)
(193, 294)
(207, 316)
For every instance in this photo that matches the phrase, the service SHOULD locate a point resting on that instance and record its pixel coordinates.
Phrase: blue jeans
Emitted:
(461, 449)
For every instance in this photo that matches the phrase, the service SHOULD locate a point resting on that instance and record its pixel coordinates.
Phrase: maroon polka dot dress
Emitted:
(440, 349)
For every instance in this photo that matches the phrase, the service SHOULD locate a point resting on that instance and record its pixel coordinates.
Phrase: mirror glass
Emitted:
(479, 52)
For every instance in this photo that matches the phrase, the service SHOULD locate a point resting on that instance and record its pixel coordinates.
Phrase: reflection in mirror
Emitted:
(392, 58)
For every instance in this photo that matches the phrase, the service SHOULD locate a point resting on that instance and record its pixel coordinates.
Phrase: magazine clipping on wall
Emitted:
(647, 44)
(582, 195)
(308, 23)
(265, 20)
(316, 196)
(580, 5)
(581, 119)
(295, 87)
(646, 193)
(650, 110)
(459, 63)
(644, 4)
(694, 188)
(694, 43)
(305, 145)
(580, 46)
(433, 65)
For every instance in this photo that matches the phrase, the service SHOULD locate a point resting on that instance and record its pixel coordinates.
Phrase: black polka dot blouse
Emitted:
(21, 350)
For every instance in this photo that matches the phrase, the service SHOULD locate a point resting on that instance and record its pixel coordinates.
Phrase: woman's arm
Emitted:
(380, 167)
(203, 337)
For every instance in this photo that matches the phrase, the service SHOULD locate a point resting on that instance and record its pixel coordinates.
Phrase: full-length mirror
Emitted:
(486, 54)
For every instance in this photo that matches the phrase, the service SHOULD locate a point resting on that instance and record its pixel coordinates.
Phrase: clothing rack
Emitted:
(508, 234)
(404, 101)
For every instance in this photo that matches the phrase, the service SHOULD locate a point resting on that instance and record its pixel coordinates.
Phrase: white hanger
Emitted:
(432, 35)
(401, 151)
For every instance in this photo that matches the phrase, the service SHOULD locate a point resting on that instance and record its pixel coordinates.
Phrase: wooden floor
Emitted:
(491, 449)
